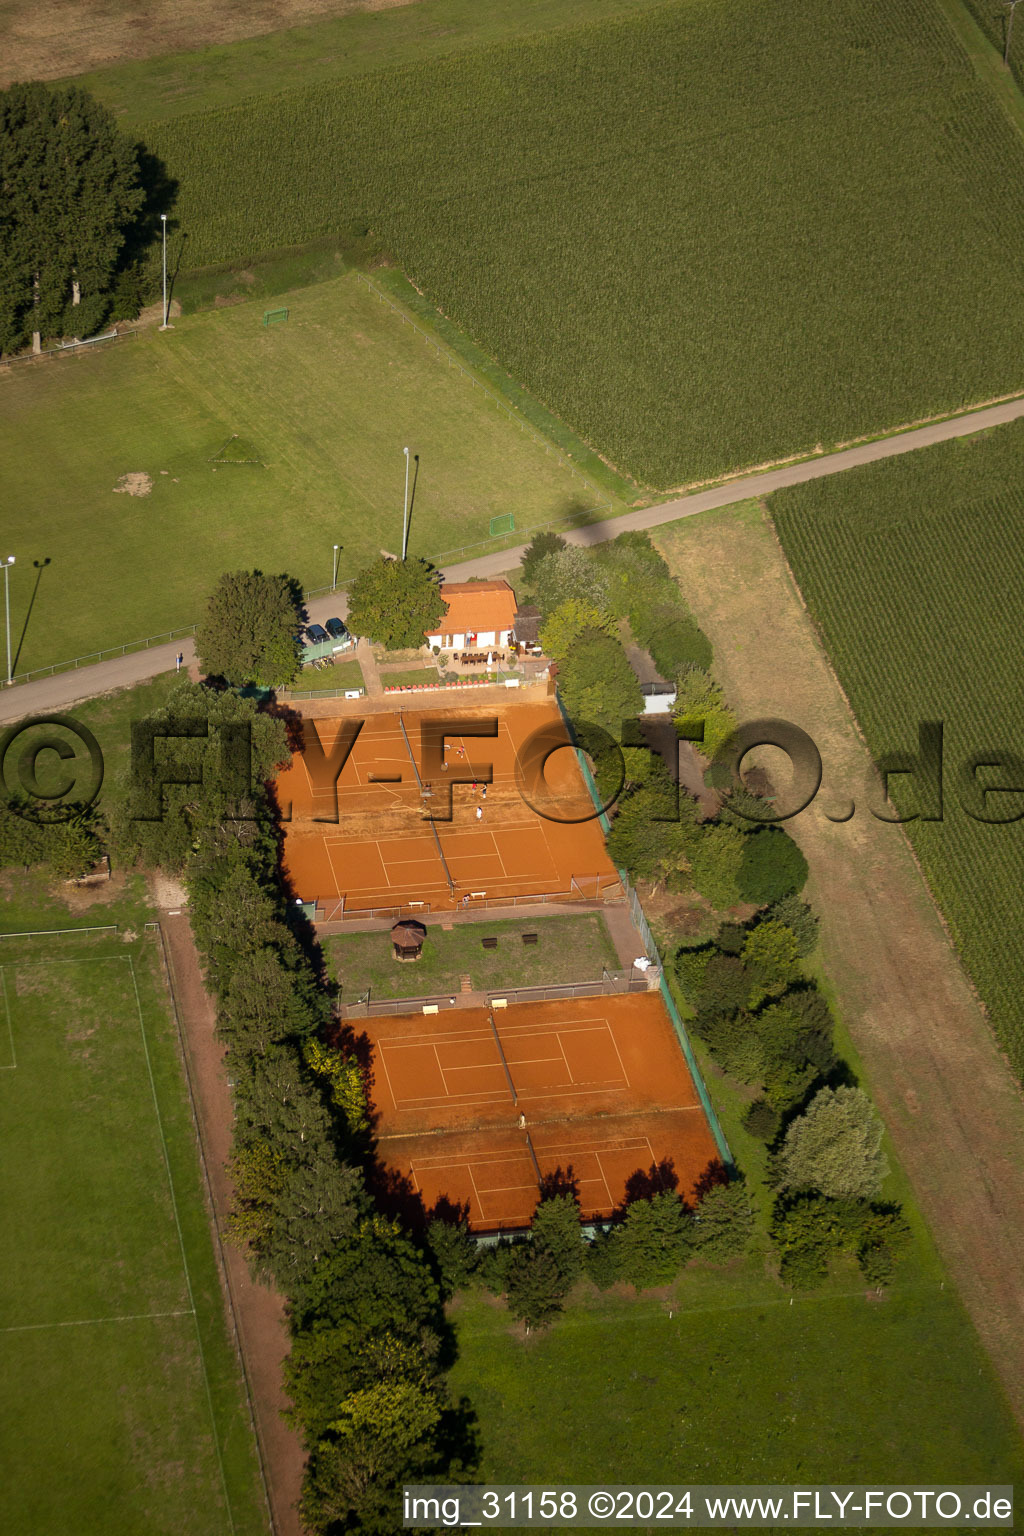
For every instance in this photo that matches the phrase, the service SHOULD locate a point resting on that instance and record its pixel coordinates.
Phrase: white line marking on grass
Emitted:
(10, 1066)
(84, 1322)
(181, 1242)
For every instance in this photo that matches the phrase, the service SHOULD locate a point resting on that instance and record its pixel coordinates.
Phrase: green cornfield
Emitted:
(914, 571)
(705, 236)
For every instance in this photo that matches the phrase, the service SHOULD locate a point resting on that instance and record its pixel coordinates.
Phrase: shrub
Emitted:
(770, 958)
(536, 1289)
(725, 1222)
(884, 1235)
(675, 640)
(602, 1261)
(772, 867)
(699, 701)
(541, 544)
(731, 938)
(567, 622)
(597, 683)
(455, 1254)
(715, 866)
(690, 968)
(556, 1229)
(835, 1146)
(762, 1120)
(799, 918)
(654, 1240)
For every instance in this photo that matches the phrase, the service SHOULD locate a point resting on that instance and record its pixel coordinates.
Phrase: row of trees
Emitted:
(250, 631)
(649, 1240)
(767, 1025)
(667, 839)
(366, 1371)
(763, 1021)
(79, 205)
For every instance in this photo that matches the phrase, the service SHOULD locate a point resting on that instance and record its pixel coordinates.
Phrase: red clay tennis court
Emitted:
(395, 827)
(600, 1082)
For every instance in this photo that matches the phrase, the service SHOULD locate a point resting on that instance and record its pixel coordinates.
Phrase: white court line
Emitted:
(10, 1030)
(568, 1069)
(444, 1080)
(387, 1078)
(453, 1100)
(85, 1322)
(615, 1043)
(604, 1179)
(476, 1193)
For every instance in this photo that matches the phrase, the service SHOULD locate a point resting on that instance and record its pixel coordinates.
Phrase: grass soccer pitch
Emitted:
(328, 401)
(121, 1403)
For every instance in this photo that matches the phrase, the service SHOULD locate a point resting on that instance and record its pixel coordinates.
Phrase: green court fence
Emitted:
(654, 954)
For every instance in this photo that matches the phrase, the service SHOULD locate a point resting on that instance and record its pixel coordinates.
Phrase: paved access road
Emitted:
(57, 693)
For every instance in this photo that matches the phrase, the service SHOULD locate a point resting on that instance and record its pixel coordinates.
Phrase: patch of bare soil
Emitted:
(80, 898)
(135, 484)
(47, 40)
(952, 1106)
(166, 892)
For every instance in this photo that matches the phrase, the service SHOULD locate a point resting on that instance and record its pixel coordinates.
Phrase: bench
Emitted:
(491, 943)
(529, 938)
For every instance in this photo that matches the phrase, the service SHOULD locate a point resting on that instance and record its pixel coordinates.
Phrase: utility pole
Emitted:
(163, 222)
(7, 610)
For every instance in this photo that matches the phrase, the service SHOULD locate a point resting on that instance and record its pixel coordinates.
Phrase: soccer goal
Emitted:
(506, 523)
(275, 316)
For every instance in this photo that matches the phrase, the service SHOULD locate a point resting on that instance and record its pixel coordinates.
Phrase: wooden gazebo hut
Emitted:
(407, 938)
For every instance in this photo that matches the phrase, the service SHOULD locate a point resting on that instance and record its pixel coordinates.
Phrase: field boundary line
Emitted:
(181, 1242)
(218, 1244)
(46, 933)
(85, 1322)
(10, 1028)
(454, 361)
(818, 639)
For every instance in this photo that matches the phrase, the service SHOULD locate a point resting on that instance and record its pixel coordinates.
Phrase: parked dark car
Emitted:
(336, 629)
(316, 633)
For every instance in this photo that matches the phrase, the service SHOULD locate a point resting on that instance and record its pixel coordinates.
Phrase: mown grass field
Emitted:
(914, 571)
(704, 241)
(746, 1382)
(738, 1386)
(122, 1402)
(327, 401)
(567, 949)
